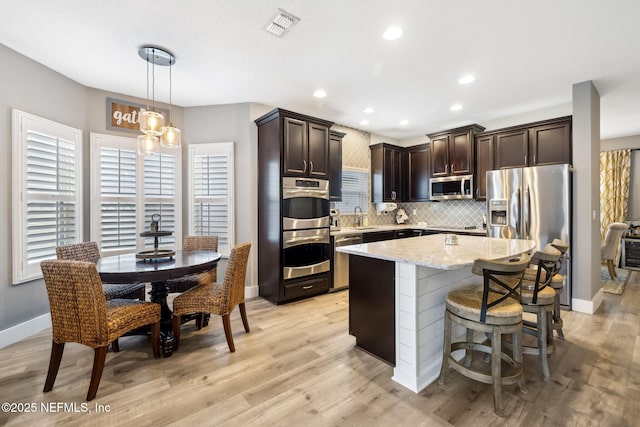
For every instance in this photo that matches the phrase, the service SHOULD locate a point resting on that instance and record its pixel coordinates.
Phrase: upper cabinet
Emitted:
(533, 144)
(484, 163)
(418, 173)
(452, 151)
(335, 165)
(306, 148)
(388, 171)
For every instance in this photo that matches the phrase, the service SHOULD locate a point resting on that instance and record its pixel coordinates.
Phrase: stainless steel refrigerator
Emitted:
(532, 203)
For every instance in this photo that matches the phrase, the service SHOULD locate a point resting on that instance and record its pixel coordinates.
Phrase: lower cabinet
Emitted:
(307, 287)
(372, 306)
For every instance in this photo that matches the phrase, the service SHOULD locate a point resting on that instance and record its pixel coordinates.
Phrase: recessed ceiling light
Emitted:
(404, 122)
(456, 107)
(364, 122)
(392, 33)
(465, 80)
(368, 110)
(320, 93)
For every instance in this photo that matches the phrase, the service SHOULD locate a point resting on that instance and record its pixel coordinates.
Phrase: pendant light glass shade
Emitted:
(171, 137)
(147, 144)
(151, 122)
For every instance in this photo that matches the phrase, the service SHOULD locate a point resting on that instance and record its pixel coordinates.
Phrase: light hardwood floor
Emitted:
(298, 367)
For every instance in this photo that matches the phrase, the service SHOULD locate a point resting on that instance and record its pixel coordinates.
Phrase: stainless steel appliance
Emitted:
(306, 252)
(341, 260)
(305, 203)
(451, 187)
(532, 203)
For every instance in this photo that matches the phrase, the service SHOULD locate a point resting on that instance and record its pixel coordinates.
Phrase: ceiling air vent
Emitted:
(281, 23)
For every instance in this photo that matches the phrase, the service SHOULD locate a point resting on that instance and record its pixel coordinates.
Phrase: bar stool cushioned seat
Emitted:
(489, 312)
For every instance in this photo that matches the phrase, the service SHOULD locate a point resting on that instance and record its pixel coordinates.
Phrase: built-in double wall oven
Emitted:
(305, 227)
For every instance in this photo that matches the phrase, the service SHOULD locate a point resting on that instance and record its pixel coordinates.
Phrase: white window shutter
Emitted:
(211, 192)
(355, 190)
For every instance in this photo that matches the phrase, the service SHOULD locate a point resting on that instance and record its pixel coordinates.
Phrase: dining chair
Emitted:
(80, 313)
(216, 298)
(537, 297)
(609, 248)
(489, 312)
(89, 251)
(195, 243)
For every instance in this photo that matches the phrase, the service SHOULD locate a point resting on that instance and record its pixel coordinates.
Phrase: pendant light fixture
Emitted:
(170, 137)
(151, 121)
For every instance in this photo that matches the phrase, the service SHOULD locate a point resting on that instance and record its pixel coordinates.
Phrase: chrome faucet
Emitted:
(358, 218)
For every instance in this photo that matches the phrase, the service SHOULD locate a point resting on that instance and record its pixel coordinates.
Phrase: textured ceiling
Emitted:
(525, 55)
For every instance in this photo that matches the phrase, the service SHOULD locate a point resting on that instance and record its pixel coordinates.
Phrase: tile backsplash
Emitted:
(457, 213)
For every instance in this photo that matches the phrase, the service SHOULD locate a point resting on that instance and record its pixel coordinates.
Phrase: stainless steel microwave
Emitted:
(451, 187)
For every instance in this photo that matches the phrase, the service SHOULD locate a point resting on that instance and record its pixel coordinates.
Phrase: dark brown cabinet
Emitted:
(452, 151)
(550, 143)
(533, 144)
(306, 148)
(418, 173)
(484, 163)
(388, 169)
(335, 165)
(289, 144)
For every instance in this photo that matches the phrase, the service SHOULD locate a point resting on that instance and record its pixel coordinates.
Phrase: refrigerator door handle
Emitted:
(519, 205)
(527, 212)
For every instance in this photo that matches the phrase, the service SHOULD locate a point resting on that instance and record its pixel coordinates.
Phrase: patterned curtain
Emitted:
(615, 173)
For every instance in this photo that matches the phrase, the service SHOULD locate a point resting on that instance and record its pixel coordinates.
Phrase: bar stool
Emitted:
(557, 283)
(488, 312)
(538, 297)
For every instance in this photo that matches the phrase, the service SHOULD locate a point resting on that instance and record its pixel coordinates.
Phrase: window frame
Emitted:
(22, 123)
(227, 148)
(365, 195)
(99, 141)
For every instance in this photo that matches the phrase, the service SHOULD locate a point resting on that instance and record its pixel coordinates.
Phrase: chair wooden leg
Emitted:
(115, 346)
(446, 349)
(557, 319)
(496, 371)
(612, 270)
(54, 364)
(542, 344)
(226, 322)
(243, 314)
(155, 339)
(518, 358)
(99, 356)
(176, 332)
(468, 356)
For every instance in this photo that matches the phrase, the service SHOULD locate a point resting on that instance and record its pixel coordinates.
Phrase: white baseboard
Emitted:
(251, 291)
(588, 306)
(23, 330)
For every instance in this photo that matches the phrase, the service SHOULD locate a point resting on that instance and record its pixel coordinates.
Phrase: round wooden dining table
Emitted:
(126, 268)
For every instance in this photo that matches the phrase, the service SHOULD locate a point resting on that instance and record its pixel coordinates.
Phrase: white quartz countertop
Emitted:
(430, 251)
(393, 227)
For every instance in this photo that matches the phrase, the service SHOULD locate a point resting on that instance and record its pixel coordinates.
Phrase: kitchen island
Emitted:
(397, 296)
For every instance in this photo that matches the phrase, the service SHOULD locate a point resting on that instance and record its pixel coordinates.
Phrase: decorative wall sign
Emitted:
(125, 115)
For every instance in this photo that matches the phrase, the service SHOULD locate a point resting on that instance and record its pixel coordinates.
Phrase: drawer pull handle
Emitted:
(307, 287)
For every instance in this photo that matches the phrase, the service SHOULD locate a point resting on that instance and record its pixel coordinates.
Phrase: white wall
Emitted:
(33, 88)
(230, 123)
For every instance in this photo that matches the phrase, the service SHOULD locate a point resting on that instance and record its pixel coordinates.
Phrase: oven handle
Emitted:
(297, 241)
(318, 194)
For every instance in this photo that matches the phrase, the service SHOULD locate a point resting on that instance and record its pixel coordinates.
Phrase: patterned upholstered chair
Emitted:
(609, 248)
(80, 313)
(195, 243)
(215, 298)
(489, 312)
(88, 251)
